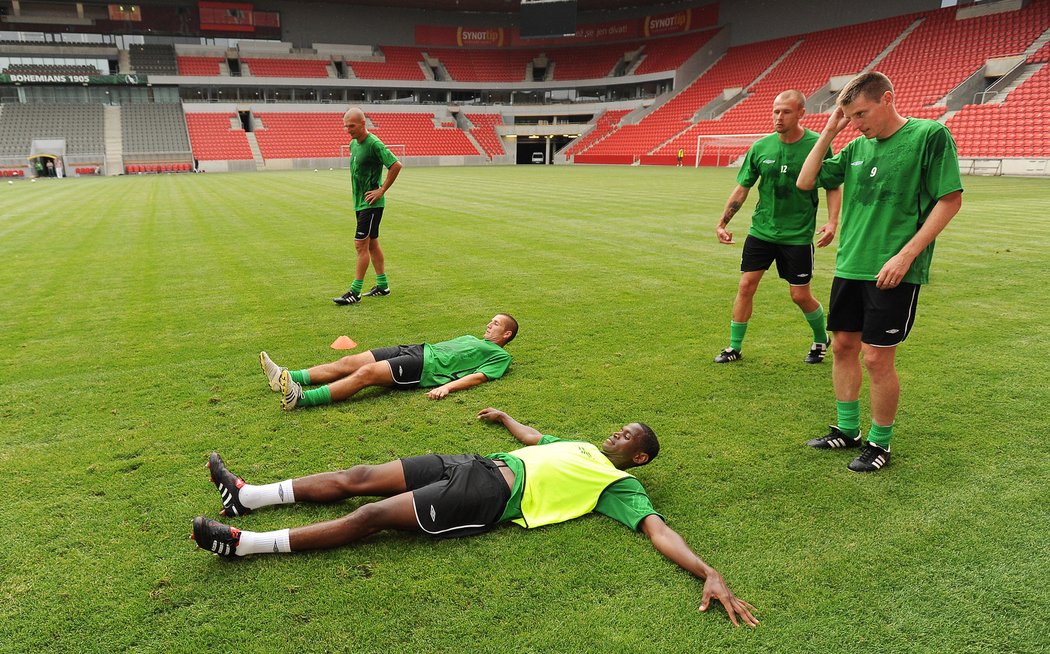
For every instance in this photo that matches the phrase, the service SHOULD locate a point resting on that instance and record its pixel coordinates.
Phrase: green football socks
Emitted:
(736, 334)
(849, 418)
(301, 377)
(879, 435)
(381, 281)
(315, 396)
(357, 285)
(815, 318)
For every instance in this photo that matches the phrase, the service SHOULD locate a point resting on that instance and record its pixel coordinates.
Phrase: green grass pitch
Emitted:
(133, 311)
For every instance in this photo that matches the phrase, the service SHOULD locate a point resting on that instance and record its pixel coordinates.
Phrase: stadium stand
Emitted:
(269, 67)
(602, 127)
(934, 57)
(200, 66)
(153, 59)
(484, 132)
(81, 125)
(738, 68)
(295, 135)
(154, 133)
(420, 136)
(671, 52)
(819, 57)
(301, 135)
(399, 63)
(944, 51)
(485, 65)
(213, 137)
(1017, 127)
(928, 63)
(51, 69)
(1040, 56)
(587, 63)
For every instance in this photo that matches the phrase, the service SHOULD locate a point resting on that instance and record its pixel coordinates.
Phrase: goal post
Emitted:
(724, 148)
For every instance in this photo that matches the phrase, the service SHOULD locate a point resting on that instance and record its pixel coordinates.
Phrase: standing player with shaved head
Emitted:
(901, 187)
(368, 157)
(782, 225)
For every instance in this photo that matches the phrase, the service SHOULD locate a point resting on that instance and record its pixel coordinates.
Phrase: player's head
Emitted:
(867, 101)
(354, 123)
(633, 445)
(501, 329)
(788, 108)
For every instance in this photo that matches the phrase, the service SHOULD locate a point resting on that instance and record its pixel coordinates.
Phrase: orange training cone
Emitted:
(343, 343)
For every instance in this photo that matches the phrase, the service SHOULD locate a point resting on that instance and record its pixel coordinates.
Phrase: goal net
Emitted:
(722, 150)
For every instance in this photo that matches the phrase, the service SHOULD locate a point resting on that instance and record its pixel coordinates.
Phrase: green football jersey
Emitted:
(450, 360)
(367, 160)
(890, 186)
(784, 215)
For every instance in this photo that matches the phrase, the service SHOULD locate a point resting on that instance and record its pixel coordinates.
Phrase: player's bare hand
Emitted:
(737, 609)
(724, 235)
(893, 272)
(437, 393)
(373, 195)
(491, 415)
(826, 234)
(837, 122)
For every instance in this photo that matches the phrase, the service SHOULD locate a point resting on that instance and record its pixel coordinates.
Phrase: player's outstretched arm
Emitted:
(733, 204)
(523, 433)
(461, 384)
(669, 543)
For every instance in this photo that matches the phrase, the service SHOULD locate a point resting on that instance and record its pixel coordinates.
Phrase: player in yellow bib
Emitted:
(549, 480)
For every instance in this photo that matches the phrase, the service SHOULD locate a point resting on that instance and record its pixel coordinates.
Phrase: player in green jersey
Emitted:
(444, 368)
(368, 157)
(782, 225)
(901, 187)
(549, 480)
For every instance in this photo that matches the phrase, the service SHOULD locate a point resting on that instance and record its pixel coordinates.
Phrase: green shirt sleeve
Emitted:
(830, 183)
(626, 502)
(749, 173)
(384, 154)
(496, 365)
(833, 170)
(941, 164)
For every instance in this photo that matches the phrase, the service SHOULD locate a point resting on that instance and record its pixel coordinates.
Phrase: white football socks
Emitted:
(265, 542)
(255, 497)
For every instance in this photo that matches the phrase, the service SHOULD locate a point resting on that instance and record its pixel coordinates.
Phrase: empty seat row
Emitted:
(133, 169)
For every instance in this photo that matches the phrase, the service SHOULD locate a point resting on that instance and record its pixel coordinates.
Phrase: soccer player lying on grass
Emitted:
(549, 480)
(444, 367)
